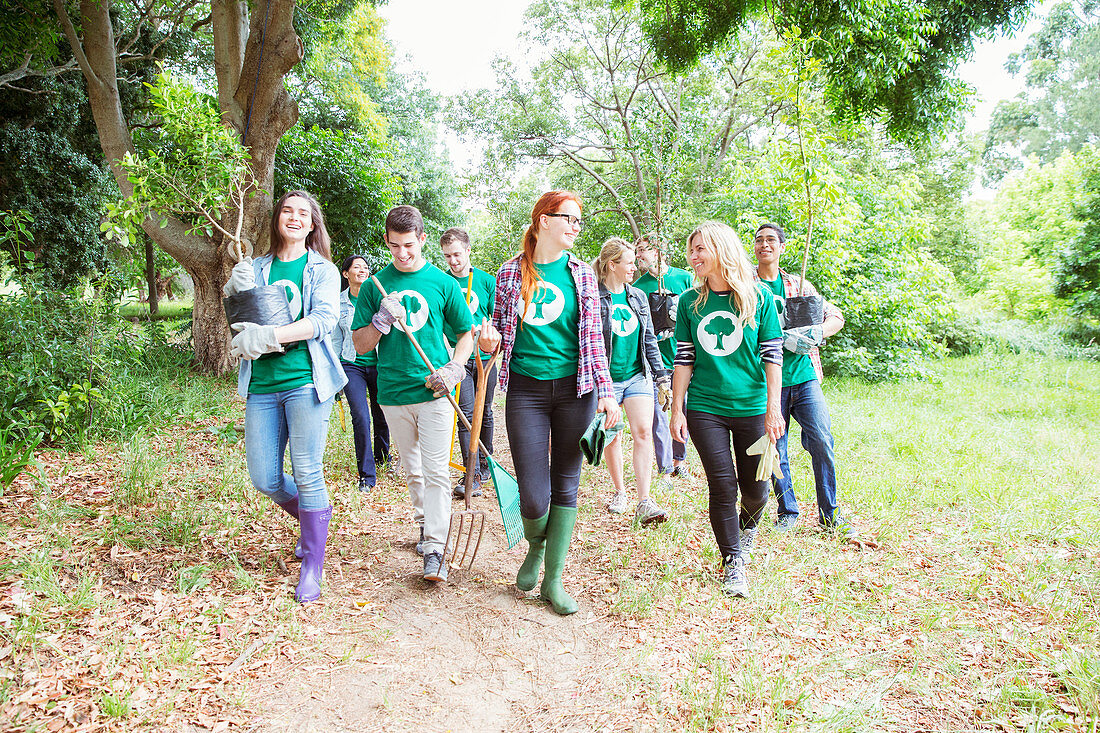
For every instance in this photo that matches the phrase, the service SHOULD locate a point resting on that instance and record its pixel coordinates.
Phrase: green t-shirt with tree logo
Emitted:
(625, 359)
(432, 300)
(728, 377)
(797, 368)
(546, 345)
(370, 358)
(293, 368)
(482, 296)
(676, 281)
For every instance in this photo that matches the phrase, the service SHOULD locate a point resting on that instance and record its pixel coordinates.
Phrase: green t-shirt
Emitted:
(546, 345)
(676, 281)
(797, 368)
(292, 368)
(482, 296)
(625, 359)
(370, 358)
(431, 299)
(728, 378)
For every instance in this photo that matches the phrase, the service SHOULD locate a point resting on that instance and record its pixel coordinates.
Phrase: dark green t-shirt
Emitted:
(370, 358)
(546, 344)
(728, 377)
(676, 281)
(432, 299)
(482, 298)
(293, 368)
(625, 360)
(797, 368)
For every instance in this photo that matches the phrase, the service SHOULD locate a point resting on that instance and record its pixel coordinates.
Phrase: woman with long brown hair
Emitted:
(555, 372)
(289, 375)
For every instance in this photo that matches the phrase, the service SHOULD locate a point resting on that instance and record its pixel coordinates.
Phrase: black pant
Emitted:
(355, 392)
(466, 402)
(548, 471)
(711, 435)
(381, 429)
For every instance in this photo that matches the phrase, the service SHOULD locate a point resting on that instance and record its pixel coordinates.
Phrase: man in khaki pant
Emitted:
(413, 398)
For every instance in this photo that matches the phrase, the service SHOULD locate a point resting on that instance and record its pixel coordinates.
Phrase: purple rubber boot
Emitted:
(314, 539)
(291, 508)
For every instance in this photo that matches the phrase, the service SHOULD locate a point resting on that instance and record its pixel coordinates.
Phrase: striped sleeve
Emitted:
(685, 353)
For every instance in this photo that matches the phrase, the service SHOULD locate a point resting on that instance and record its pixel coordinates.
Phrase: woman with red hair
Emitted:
(555, 372)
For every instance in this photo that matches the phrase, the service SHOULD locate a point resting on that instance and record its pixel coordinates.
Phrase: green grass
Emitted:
(167, 310)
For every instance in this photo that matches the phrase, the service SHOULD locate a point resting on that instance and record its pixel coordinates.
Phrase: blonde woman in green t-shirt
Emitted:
(729, 356)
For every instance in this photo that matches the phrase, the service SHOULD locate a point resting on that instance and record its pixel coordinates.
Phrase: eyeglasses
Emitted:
(574, 221)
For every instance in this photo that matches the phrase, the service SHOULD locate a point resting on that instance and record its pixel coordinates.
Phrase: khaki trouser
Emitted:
(423, 435)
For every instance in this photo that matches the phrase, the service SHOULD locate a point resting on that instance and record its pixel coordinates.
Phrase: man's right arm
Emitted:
(365, 338)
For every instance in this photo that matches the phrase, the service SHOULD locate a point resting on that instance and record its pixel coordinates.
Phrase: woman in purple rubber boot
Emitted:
(289, 375)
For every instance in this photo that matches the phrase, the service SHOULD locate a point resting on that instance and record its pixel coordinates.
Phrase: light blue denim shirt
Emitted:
(321, 305)
(341, 335)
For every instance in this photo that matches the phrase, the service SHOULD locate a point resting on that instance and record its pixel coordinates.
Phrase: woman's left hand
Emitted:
(610, 408)
(489, 338)
(773, 423)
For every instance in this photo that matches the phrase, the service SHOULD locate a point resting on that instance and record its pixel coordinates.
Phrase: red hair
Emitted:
(548, 203)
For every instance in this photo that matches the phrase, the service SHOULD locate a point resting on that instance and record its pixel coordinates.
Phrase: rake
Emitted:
(507, 488)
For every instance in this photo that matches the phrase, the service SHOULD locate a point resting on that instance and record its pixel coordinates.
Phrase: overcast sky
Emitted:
(453, 44)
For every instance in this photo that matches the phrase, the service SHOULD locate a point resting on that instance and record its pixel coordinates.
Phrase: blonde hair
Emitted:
(612, 251)
(733, 265)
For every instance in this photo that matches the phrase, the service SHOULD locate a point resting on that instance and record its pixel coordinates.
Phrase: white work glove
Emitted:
(802, 339)
(664, 392)
(769, 458)
(443, 380)
(390, 311)
(254, 340)
(242, 278)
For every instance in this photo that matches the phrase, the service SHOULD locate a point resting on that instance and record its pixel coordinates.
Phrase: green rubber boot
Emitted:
(535, 532)
(559, 533)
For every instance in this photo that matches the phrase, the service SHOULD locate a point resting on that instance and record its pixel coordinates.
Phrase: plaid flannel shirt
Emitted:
(592, 369)
(790, 289)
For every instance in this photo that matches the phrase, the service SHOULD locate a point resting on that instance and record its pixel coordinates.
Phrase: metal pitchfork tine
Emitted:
(468, 521)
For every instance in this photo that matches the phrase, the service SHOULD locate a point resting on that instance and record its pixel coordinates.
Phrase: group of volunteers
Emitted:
(575, 339)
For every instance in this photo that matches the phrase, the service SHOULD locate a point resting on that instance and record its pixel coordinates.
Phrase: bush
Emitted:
(74, 371)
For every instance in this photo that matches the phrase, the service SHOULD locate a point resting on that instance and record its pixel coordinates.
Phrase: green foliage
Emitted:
(351, 175)
(193, 166)
(16, 454)
(1077, 274)
(883, 59)
(1059, 109)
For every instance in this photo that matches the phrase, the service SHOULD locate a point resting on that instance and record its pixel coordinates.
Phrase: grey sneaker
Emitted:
(435, 569)
(619, 504)
(734, 583)
(459, 491)
(420, 543)
(839, 527)
(748, 539)
(786, 522)
(649, 512)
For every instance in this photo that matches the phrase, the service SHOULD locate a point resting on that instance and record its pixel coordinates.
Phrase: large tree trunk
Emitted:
(272, 113)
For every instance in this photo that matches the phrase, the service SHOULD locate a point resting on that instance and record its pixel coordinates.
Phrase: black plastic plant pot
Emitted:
(804, 310)
(266, 305)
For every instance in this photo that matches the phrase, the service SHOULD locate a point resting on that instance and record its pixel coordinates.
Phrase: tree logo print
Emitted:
(719, 333)
(474, 302)
(416, 309)
(547, 303)
(623, 321)
(293, 297)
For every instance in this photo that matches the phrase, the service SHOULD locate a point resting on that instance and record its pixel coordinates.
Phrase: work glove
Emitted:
(769, 458)
(664, 392)
(242, 278)
(802, 339)
(254, 341)
(390, 311)
(443, 380)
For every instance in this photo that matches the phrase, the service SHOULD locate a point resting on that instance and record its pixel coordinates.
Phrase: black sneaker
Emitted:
(435, 569)
(459, 491)
(676, 471)
(748, 539)
(733, 582)
(365, 484)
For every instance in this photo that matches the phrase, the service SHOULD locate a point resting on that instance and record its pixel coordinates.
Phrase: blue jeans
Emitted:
(806, 404)
(665, 448)
(273, 420)
(355, 391)
(636, 386)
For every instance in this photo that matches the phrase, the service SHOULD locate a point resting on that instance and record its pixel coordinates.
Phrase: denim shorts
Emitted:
(636, 386)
